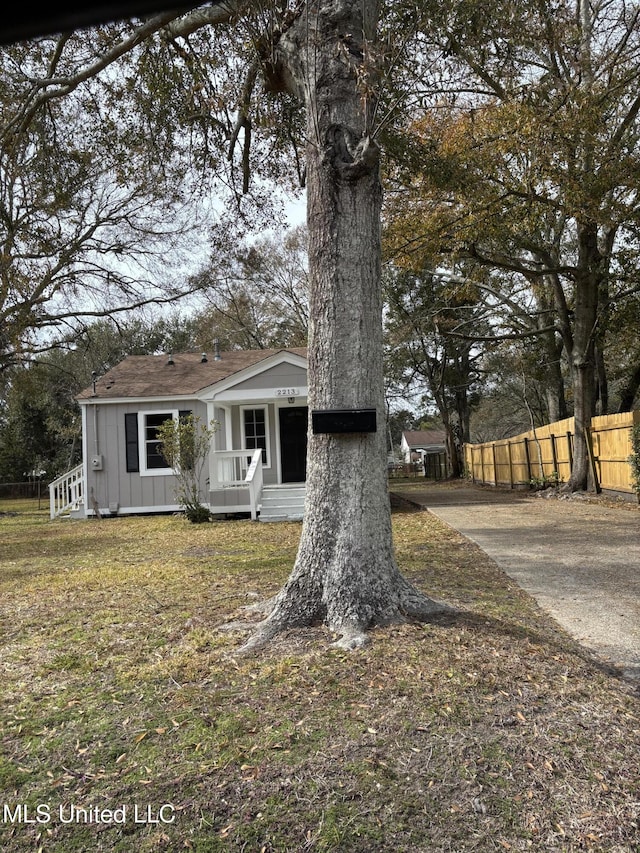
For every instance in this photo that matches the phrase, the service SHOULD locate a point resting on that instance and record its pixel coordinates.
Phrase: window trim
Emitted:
(142, 442)
(267, 430)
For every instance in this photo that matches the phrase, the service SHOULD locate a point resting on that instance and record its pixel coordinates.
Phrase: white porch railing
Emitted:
(254, 479)
(238, 469)
(67, 492)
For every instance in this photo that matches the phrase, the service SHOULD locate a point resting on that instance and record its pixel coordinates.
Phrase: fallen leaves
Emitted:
(491, 720)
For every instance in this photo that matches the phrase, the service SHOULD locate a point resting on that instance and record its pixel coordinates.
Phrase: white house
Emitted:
(427, 448)
(257, 462)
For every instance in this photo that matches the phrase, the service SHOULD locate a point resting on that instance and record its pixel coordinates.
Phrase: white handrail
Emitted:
(237, 469)
(254, 479)
(66, 492)
(229, 468)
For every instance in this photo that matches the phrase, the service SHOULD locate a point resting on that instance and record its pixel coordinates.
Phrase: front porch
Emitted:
(236, 485)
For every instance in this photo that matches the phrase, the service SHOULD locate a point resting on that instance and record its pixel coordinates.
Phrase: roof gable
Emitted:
(180, 375)
(424, 438)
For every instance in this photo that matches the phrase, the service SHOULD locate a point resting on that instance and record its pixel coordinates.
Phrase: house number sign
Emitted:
(287, 392)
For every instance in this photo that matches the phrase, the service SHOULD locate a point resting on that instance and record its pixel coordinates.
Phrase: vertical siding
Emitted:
(220, 441)
(114, 484)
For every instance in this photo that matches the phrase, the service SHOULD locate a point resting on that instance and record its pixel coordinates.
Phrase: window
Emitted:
(255, 433)
(154, 460)
(150, 459)
(143, 445)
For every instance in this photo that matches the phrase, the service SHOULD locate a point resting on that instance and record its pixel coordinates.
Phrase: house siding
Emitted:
(220, 439)
(281, 376)
(114, 485)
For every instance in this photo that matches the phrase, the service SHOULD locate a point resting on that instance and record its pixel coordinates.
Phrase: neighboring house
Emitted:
(258, 399)
(416, 444)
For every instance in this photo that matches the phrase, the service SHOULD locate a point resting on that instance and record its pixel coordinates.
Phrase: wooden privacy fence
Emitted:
(544, 455)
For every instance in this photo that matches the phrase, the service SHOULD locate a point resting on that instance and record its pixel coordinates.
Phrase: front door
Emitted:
(293, 444)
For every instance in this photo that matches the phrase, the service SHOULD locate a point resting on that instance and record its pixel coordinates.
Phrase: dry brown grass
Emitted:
(490, 731)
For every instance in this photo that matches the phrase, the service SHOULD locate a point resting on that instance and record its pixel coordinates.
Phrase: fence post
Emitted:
(570, 450)
(510, 464)
(495, 469)
(592, 461)
(554, 456)
(528, 458)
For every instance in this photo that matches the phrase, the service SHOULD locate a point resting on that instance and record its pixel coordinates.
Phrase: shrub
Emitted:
(185, 445)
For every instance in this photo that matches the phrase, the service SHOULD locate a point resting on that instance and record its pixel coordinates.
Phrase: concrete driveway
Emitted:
(580, 559)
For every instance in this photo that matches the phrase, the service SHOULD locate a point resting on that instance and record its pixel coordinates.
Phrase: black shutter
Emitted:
(187, 462)
(131, 439)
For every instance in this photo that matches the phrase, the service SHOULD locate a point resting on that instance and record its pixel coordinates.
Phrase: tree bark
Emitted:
(630, 391)
(587, 288)
(345, 574)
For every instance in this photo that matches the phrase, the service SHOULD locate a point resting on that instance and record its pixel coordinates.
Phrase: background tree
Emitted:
(257, 297)
(92, 221)
(622, 354)
(39, 427)
(530, 165)
(428, 333)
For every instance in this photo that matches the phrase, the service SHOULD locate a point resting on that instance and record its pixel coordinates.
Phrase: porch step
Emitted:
(77, 510)
(283, 503)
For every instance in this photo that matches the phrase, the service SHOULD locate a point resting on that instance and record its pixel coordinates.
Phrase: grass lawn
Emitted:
(128, 724)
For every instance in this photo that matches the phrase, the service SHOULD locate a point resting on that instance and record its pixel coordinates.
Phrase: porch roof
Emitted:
(178, 375)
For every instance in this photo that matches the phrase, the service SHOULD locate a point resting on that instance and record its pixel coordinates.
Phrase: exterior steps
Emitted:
(283, 503)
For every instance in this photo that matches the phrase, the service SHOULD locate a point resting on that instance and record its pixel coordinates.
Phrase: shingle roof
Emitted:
(424, 438)
(153, 376)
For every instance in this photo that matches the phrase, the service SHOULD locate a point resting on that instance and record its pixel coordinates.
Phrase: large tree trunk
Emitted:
(555, 391)
(345, 574)
(587, 289)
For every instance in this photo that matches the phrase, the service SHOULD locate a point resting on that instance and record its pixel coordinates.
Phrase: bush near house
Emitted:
(185, 444)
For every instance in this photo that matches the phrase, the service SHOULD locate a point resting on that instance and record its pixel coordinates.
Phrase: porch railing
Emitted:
(67, 492)
(254, 479)
(239, 469)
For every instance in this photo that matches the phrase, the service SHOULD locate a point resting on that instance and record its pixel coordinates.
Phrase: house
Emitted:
(257, 461)
(416, 444)
(427, 448)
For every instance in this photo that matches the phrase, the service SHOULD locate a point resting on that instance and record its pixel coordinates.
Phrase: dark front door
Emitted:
(293, 444)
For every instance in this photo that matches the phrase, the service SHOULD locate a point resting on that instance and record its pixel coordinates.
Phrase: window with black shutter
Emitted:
(187, 451)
